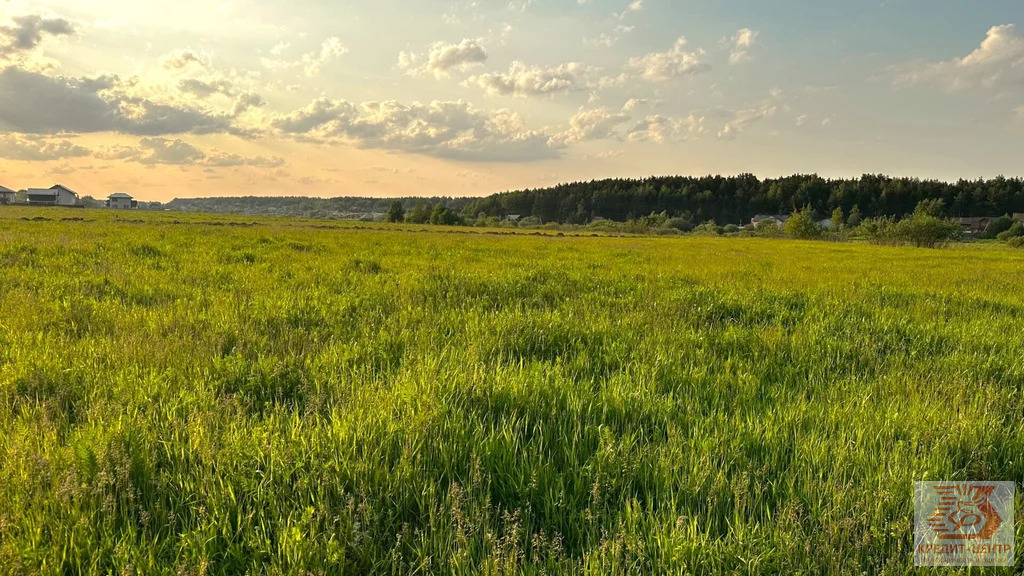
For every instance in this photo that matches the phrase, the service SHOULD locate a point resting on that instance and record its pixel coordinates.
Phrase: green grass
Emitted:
(183, 396)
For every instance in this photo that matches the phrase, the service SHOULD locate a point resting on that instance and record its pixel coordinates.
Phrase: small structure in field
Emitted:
(826, 224)
(513, 218)
(7, 195)
(58, 195)
(975, 225)
(1018, 216)
(121, 201)
(777, 219)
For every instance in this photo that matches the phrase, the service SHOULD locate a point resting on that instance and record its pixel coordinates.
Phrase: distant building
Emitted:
(56, 196)
(1018, 216)
(121, 201)
(7, 195)
(777, 219)
(826, 224)
(975, 225)
(513, 217)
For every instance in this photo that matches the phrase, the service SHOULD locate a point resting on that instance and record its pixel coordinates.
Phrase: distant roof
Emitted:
(63, 187)
(120, 195)
(42, 192)
(5, 190)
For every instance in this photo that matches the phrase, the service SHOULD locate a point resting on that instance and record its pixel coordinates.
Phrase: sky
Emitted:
(471, 97)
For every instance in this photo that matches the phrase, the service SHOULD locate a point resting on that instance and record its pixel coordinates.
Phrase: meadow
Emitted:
(186, 394)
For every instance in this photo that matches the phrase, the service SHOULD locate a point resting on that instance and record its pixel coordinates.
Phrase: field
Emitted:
(197, 395)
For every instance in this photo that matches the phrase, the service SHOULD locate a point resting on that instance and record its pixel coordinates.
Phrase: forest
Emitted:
(736, 199)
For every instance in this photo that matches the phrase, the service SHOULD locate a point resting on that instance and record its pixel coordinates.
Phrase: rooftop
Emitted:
(120, 195)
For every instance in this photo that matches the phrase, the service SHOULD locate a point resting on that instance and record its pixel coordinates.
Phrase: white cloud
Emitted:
(998, 61)
(742, 119)
(311, 63)
(453, 129)
(741, 43)
(660, 129)
(592, 124)
(524, 81)
(443, 58)
(663, 66)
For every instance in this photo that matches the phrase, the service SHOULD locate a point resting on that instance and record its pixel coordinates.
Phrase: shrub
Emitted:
(731, 229)
(1016, 242)
(921, 229)
(767, 229)
(1016, 230)
(802, 225)
(681, 224)
(708, 228)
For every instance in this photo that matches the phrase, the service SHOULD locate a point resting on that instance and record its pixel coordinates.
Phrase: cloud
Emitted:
(741, 43)
(998, 61)
(742, 119)
(311, 63)
(27, 32)
(443, 58)
(29, 149)
(33, 103)
(453, 129)
(176, 152)
(660, 129)
(330, 50)
(663, 66)
(183, 59)
(592, 124)
(524, 81)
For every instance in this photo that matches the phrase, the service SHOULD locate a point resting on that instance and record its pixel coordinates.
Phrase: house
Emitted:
(58, 195)
(513, 217)
(777, 219)
(121, 201)
(975, 225)
(1018, 216)
(7, 195)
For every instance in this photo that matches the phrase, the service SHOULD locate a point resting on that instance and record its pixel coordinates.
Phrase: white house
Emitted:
(55, 196)
(121, 201)
(7, 195)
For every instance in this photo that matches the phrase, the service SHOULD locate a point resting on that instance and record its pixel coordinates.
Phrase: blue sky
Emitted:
(471, 97)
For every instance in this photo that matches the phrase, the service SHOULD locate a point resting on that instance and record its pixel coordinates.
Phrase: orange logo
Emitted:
(964, 512)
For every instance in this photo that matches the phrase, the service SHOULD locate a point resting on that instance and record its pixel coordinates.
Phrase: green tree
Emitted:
(931, 207)
(396, 212)
(420, 214)
(855, 218)
(442, 216)
(802, 225)
(838, 218)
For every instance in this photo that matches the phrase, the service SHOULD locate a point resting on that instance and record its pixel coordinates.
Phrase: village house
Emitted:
(777, 219)
(975, 225)
(58, 195)
(7, 195)
(121, 201)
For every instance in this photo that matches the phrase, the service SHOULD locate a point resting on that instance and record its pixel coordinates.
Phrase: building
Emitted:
(975, 225)
(777, 219)
(513, 218)
(121, 201)
(826, 224)
(7, 195)
(58, 195)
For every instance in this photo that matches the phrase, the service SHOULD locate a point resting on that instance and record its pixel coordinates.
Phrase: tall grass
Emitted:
(178, 396)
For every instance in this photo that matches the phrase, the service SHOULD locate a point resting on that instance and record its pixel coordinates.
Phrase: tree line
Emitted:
(736, 199)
